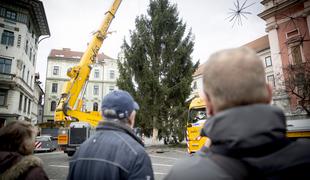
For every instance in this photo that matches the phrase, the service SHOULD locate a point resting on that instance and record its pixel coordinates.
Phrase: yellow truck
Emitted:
(77, 124)
(197, 116)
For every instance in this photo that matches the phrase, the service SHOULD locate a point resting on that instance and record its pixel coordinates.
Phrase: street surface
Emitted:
(163, 158)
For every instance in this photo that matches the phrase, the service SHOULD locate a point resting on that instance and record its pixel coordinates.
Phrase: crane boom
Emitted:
(68, 105)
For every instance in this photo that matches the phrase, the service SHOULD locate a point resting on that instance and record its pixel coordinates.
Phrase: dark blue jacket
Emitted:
(113, 152)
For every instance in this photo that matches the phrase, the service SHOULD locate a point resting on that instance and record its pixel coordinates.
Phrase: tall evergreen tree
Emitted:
(156, 68)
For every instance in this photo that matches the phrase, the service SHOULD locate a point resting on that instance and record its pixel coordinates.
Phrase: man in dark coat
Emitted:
(247, 136)
(17, 144)
(114, 151)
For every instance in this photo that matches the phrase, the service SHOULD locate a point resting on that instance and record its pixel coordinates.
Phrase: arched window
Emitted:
(53, 105)
(95, 107)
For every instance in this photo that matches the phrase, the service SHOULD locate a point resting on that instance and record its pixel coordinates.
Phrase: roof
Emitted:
(37, 13)
(199, 70)
(67, 53)
(259, 44)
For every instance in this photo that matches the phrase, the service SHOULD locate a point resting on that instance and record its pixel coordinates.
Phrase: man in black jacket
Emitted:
(114, 151)
(247, 136)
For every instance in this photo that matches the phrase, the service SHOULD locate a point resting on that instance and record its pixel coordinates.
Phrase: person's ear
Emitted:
(131, 119)
(269, 91)
(209, 106)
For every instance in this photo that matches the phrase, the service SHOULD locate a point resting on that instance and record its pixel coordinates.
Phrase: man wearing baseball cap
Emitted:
(114, 151)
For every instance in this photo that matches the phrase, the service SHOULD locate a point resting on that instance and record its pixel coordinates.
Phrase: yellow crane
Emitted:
(70, 103)
(69, 108)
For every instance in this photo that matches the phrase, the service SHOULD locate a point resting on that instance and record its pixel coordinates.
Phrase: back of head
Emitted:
(235, 77)
(17, 136)
(118, 105)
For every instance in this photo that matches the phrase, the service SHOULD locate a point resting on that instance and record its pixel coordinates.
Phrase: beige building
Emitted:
(101, 80)
(262, 48)
(22, 23)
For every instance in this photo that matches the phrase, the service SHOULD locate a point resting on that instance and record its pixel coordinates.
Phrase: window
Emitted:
(96, 75)
(95, 106)
(5, 65)
(54, 87)
(10, 15)
(111, 88)
(2, 122)
(19, 39)
(112, 74)
(33, 59)
(268, 62)
(96, 90)
(56, 70)
(30, 54)
(31, 81)
(296, 54)
(20, 101)
(25, 104)
(84, 107)
(299, 78)
(53, 105)
(271, 80)
(3, 97)
(26, 47)
(29, 105)
(7, 38)
(29, 25)
(27, 77)
(292, 33)
(23, 72)
(195, 85)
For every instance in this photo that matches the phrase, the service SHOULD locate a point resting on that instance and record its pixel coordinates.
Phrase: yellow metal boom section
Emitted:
(79, 75)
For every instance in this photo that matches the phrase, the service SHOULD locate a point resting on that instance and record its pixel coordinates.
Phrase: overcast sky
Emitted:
(71, 23)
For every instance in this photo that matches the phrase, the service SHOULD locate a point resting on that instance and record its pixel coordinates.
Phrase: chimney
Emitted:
(66, 49)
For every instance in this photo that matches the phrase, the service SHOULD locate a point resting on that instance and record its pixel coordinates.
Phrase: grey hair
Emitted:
(113, 113)
(234, 77)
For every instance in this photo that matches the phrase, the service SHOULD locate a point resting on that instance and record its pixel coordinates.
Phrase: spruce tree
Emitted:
(156, 67)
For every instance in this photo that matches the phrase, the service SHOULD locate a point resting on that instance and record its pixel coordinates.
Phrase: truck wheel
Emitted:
(70, 153)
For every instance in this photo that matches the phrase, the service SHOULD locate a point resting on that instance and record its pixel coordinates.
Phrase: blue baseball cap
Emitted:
(118, 104)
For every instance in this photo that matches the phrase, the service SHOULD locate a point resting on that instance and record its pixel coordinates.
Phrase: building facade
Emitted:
(101, 81)
(262, 48)
(288, 28)
(22, 23)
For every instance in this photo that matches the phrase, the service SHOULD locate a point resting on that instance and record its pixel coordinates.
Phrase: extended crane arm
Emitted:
(67, 105)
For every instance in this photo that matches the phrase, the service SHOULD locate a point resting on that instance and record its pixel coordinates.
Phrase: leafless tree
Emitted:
(297, 83)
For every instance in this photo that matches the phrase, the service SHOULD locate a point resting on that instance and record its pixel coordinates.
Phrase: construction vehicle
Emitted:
(298, 128)
(76, 123)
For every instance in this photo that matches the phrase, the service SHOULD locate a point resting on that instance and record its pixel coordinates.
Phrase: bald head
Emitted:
(235, 77)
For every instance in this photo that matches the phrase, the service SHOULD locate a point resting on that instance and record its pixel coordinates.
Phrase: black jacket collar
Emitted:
(252, 130)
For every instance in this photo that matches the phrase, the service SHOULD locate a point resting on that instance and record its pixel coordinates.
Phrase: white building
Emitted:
(262, 48)
(101, 80)
(22, 23)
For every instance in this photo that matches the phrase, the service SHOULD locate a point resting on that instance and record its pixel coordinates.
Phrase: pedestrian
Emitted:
(16, 148)
(114, 151)
(247, 136)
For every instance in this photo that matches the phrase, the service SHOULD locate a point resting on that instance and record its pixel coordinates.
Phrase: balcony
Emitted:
(7, 79)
